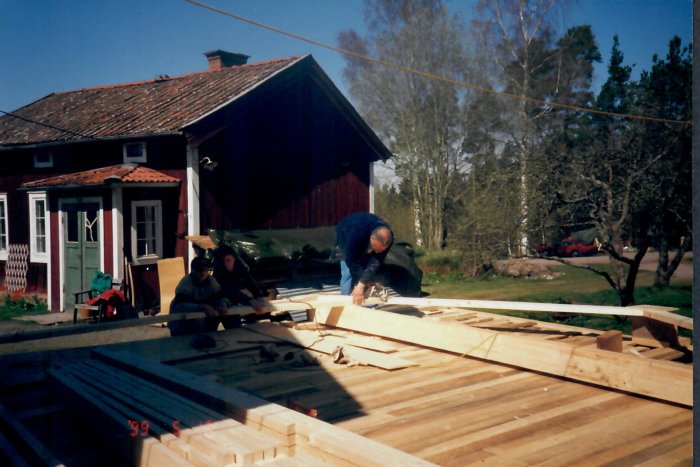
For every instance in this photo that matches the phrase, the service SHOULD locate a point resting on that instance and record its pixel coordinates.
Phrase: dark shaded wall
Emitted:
(289, 160)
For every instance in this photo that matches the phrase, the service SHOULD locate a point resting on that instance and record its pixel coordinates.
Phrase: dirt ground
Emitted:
(684, 271)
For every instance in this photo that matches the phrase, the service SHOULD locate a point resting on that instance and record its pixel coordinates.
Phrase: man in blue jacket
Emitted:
(362, 242)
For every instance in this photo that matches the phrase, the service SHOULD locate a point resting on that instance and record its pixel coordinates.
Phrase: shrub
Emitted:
(16, 303)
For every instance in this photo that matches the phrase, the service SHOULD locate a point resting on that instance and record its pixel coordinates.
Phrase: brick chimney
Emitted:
(220, 59)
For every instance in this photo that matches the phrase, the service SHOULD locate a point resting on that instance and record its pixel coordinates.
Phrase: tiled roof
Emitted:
(159, 106)
(122, 173)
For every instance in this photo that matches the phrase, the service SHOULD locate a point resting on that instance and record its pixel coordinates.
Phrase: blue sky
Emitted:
(61, 45)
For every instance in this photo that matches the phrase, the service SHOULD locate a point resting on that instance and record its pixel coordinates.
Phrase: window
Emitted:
(43, 160)
(38, 228)
(135, 152)
(3, 226)
(146, 231)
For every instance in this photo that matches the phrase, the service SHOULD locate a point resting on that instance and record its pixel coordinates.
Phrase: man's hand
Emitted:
(358, 294)
(209, 310)
(260, 305)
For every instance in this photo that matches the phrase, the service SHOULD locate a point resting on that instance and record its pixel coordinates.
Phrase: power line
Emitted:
(28, 120)
(430, 75)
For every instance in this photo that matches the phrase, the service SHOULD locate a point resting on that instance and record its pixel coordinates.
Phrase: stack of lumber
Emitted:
(159, 415)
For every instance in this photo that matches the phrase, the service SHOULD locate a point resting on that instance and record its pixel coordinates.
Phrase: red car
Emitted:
(568, 247)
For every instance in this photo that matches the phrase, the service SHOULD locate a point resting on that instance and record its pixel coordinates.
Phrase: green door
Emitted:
(81, 249)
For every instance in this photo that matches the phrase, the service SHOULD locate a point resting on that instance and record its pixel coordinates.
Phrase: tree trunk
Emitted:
(665, 280)
(617, 266)
(627, 295)
(662, 278)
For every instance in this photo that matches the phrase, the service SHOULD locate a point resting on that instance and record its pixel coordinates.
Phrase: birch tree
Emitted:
(419, 119)
(516, 36)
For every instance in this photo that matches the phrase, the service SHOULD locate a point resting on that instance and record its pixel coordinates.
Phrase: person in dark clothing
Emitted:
(362, 242)
(237, 284)
(196, 292)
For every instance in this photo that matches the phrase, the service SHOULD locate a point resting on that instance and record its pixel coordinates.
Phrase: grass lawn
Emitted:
(572, 285)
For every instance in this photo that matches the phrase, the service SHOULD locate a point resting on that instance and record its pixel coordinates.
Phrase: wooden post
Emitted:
(647, 331)
(610, 340)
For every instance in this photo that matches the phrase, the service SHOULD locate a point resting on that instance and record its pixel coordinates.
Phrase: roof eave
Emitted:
(102, 185)
(90, 140)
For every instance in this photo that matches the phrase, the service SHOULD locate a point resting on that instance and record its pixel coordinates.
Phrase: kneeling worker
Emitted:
(362, 243)
(196, 292)
(237, 284)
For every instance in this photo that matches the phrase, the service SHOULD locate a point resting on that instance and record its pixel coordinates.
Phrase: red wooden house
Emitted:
(93, 176)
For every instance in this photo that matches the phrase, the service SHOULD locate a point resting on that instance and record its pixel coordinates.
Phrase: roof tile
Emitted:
(163, 105)
(124, 173)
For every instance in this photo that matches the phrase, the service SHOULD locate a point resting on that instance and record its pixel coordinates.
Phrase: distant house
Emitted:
(94, 176)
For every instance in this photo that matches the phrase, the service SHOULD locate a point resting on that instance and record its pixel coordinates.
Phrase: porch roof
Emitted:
(120, 175)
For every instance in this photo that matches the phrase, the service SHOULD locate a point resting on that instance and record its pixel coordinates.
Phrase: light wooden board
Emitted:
(620, 371)
(659, 313)
(170, 273)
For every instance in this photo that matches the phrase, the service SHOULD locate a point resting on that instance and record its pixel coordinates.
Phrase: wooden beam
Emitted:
(664, 315)
(239, 310)
(654, 332)
(610, 340)
(659, 313)
(620, 371)
(27, 446)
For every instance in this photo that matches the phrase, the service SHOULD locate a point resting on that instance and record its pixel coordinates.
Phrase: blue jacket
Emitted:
(352, 244)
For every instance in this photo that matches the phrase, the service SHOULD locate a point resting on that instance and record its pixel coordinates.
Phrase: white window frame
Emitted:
(150, 258)
(142, 158)
(3, 252)
(42, 165)
(34, 255)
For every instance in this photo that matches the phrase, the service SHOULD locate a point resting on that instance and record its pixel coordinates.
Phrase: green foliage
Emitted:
(395, 208)
(17, 305)
(441, 261)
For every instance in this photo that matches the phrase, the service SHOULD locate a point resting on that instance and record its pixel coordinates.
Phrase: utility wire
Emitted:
(75, 133)
(430, 75)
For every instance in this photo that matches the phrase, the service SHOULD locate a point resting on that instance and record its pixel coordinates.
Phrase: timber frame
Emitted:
(151, 380)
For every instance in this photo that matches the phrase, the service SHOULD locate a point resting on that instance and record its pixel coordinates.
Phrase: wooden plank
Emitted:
(242, 406)
(517, 423)
(650, 329)
(24, 440)
(253, 411)
(370, 343)
(111, 417)
(620, 371)
(497, 305)
(177, 349)
(178, 409)
(170, 272)
(665, 315)
(610, 340)
(157, 454)
(19, 336)
(663, 353)
(327, 344)
(356, 340)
